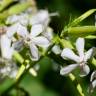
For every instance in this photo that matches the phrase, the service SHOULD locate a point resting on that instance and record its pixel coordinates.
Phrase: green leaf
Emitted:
(82, 17)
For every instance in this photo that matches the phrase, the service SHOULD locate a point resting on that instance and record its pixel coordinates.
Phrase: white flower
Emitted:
(41, 17)
(80, 60)
(32, 39)
(35, 39)
(22, 19)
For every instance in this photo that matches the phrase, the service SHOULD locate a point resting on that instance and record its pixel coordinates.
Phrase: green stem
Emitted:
(71, 76)
(82, 17)
(19, 79)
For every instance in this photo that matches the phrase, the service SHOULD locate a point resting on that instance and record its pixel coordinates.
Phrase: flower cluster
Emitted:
(30, 30)
(81, 60)
(26, 29)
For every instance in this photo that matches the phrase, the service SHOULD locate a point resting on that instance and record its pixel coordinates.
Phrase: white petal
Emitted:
(5, 46)
(48, 33)
(12, 19)
(36, 30)
(10, 53)
(42, 17)
(68, 53)
(12, 30)
(93, 76)
(22, 19)
(80, 47)
(40, 41)
(88, 54)
(94, 84)
(22, 31)
(84, 70)
(34, 52)
(56, 49)
(18, 45)
(68, 69)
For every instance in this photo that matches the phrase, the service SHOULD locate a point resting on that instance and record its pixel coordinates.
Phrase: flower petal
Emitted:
(34, 52)
(68, 69)
(18, 45)
(12, 19)
(94, 84)
(5, 46)
(84, 70)
(22, 19)
(56, 49)
(22, 31)
(36, 30)
(88, 54)
(42, 17)
(12, 30)
(93, 76)
(40, 41)
(80, 47)
(68, 53)
(48, 33)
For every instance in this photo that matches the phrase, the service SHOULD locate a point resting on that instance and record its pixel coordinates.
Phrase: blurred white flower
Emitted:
(8, 68)
(22, 19)
(6, 48)
(32, 39)
(41, 17)
(7, 65)
(93, 82)
(80, 60)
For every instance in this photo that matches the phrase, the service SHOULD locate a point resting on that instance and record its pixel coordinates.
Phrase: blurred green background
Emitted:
(49, 82)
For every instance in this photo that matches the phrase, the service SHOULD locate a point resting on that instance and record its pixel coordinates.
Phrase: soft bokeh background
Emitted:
(49, 82)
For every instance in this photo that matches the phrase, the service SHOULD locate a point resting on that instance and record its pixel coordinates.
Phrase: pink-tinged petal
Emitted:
(68, 53)
(40, 41)
(88, 54)
(34, 52)
(68, 69)
(80, 47)
(22, 30)
(84, 70)
(36, 30)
